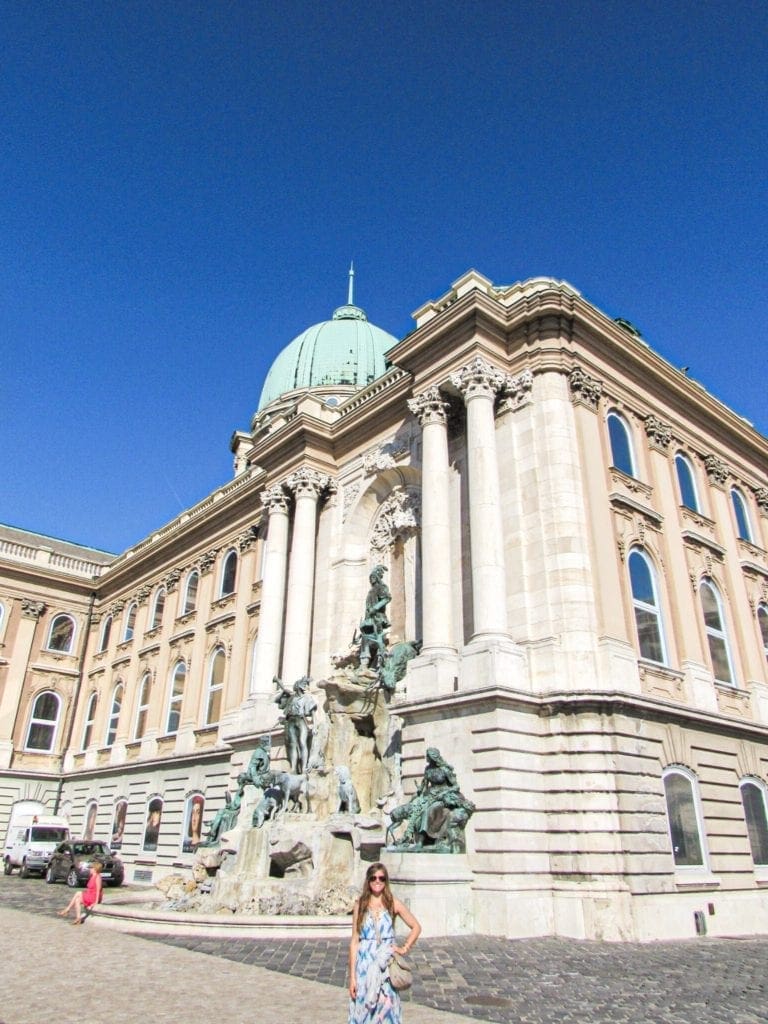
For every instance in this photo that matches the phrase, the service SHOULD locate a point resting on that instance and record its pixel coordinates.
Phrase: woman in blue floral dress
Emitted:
(372, 1000)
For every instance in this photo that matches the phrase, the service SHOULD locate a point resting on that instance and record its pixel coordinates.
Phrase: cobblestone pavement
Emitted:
(533, 981)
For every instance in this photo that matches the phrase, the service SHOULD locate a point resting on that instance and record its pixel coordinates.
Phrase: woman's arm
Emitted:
(402, 911)
(353, 942)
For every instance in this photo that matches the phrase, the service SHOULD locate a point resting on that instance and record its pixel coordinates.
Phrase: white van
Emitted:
(32, 838)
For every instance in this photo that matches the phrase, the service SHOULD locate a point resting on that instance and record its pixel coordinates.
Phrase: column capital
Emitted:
(274, 500)
(585, 390)
(247, 539)
(478, 379)
(308, 483)
(761, 497)
(429, 407)
(717, 471)
(31, 609)
(659, 433)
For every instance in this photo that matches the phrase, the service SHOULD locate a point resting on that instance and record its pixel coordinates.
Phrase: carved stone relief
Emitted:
(659, 433)
(585, 390)
(398, 516)
(717, 471)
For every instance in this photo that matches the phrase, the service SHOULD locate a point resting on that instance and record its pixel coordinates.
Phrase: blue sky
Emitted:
(184, 185)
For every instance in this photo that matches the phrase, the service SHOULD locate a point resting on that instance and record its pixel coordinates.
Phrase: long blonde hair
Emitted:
(365, 896)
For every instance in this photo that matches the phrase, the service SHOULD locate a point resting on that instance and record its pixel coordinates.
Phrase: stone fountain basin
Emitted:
(138, 914)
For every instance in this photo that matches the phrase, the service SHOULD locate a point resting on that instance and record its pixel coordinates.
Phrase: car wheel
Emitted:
(115, 882)
(7, 867)
(24, 870)
(49, 876)
(72, 880)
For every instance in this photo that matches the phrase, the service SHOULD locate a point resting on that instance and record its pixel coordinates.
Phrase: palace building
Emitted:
(574, 528)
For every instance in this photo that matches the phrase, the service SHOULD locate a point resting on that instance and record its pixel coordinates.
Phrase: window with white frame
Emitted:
(43, 722)
(717, 637)
(686, 482)
(762, 621)
(106, 629)
(176, 697)
(61, 635)
(620, 436)
(645, 600)
(228, 574)
(130, 622)
(754, 803)
(158, 607)
(90, 718)
(684, 818)
(215, 686)
(142, 708)
(190, 592)
(114, 714)
(741, 515)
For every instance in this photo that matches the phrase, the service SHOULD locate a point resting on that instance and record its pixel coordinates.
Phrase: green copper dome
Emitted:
(346, 351)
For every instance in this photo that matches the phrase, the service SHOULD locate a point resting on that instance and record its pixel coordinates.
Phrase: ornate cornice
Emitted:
(717, 471)
(429, 407)
(585, 390)
(659, 433)
(478, 379)
(31, 609)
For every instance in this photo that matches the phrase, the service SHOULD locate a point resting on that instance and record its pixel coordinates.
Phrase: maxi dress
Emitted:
(376, 1001)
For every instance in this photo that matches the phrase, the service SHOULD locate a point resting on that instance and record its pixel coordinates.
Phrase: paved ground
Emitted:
(540, 981)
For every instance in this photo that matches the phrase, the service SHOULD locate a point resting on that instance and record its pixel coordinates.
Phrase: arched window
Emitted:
(176, 697)
(41, 734)
(228, 574)
(215, 687)
(90, 716)
(190, 592)
(2, 616)
(114, 714)
(130, 622)
(684, 817)
(158, 606)
(89, 823)
(753, 799)
(61, 635)
(622, 456)
(142, 709)
(762, 621)
(686, 482)
(714, 623)
(741, 513)
(106, 629)
(645, 599)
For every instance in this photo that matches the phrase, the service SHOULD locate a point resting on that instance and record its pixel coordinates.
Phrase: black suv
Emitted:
(72, 862)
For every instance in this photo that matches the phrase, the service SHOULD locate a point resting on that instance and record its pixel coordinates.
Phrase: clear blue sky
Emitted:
(184, 184)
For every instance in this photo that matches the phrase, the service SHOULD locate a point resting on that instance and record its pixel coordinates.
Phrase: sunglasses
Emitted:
(377, 878)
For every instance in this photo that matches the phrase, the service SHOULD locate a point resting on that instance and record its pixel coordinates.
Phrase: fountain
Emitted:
(294, 843)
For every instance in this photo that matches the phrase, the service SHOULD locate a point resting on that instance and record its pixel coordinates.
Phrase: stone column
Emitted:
(479, 382)
(267, 659)
(437, 606)
(307, 485)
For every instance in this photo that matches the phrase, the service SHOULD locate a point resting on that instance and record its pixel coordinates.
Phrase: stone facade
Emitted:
(578, 534)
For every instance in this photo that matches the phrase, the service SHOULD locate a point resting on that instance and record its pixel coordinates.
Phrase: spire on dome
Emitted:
(351, 293)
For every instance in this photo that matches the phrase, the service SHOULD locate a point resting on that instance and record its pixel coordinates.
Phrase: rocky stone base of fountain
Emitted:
(294, 866)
